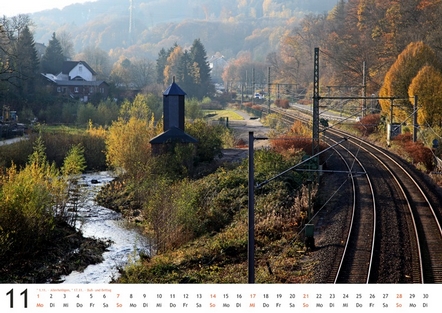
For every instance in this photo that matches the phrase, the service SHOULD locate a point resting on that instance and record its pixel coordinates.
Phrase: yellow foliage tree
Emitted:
(172, 64)
(128, 141)
(426, 85)
(398, 78)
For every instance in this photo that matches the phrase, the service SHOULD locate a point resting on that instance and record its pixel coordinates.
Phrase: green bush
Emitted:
(209, 138)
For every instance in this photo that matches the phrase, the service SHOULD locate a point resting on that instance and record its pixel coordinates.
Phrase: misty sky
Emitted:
(15, 7)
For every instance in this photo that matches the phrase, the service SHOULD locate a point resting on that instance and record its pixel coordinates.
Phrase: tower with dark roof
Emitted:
(173, 121)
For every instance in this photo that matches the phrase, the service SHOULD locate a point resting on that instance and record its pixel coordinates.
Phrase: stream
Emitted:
(98, 222)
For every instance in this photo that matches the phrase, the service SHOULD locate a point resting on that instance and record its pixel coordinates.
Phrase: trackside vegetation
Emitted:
(199, 222)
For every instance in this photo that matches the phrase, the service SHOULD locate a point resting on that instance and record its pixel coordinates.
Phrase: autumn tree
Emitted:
(127, 145)
(143, 73)
(66, 43)
(172, 65)
(98, 59)
(246, 72)
(190, 69)
(121, 72)
(400, 75)
(161, 64)
(32, 200)
(426, 85)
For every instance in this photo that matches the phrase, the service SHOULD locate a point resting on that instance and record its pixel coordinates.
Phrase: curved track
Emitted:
(356, 261)
(407, 245)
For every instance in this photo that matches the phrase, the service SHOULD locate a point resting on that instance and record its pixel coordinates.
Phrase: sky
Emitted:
(14, 7)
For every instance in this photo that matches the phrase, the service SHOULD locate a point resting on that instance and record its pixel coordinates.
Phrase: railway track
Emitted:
(357, 255)
(394, 234)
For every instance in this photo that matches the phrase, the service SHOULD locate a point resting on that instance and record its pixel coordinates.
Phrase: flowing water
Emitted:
(101, 223)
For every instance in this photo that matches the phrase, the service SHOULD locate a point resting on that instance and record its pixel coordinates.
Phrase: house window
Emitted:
(75, 89)
(80, 68)
(58, 89)
(91, 89)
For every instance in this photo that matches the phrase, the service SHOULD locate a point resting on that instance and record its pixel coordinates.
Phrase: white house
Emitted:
(78, 80)
(77, 70)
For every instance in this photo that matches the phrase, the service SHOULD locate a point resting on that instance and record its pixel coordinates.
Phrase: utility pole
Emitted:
(316, 97)
(415, 124)
(251, 219)
(364, 87)
(253, 85)
(268, 90)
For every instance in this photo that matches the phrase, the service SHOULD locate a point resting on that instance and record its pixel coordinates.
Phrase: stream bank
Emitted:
(100, 244)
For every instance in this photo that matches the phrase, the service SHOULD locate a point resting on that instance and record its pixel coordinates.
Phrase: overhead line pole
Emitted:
(316, 98)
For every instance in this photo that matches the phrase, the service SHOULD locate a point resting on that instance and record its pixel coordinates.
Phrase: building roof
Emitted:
(174, 90)
(69, 65)
(173, 134)
(85, 83)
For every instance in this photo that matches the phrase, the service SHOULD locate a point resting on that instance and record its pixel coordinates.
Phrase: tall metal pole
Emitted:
(253, 85)
(268, 90)
(415, 123)
(364, 88)
(391, 110)
(251, 205)
(316, 97)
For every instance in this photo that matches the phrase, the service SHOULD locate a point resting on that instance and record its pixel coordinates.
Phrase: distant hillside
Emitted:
(227, 26)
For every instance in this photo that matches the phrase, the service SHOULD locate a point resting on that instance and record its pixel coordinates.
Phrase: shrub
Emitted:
(368, 124)
(416, 151)
(282, 103)
(288, 142)
(209, 139)
(30, 202)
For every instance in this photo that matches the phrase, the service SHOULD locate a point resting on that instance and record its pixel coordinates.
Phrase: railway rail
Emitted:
(393, 234)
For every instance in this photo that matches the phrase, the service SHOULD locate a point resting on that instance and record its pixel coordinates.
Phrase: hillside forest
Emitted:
(397, 44)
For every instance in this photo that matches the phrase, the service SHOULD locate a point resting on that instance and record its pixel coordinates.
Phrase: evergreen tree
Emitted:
(5, 69)
(52, 60)
(27, 63)
(201, 70)
(184, 74)
(161, 64)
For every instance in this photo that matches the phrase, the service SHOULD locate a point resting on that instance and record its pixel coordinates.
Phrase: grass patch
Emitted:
(217, 114)
(60, 129)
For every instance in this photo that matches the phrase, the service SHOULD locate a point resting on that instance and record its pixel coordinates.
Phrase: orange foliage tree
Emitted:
(427, 85)
(400, 75)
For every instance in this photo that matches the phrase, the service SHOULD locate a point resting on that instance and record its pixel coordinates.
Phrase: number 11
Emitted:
(11, 298)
